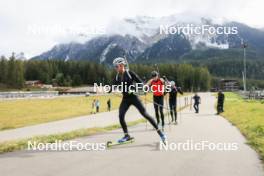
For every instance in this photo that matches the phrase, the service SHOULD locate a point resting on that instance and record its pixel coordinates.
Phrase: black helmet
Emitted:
(154, 74)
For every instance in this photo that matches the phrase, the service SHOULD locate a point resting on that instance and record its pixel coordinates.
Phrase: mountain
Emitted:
(171, 47)
(101, 49)
(252, 36)
(144, 39)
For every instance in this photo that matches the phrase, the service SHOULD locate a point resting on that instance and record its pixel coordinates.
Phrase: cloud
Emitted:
(17, 15)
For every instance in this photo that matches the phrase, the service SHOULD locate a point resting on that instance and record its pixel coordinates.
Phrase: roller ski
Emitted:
(125, 140)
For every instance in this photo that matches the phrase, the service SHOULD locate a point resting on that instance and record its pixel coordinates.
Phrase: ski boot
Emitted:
(125, 139)
(163, 138)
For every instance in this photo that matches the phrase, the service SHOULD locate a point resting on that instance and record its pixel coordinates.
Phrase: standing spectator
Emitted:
(220, 102)
(93, 107)
(97, 105)
(109, 104)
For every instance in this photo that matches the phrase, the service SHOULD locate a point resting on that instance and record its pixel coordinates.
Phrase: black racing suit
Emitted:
(173, 102)
(128, 78)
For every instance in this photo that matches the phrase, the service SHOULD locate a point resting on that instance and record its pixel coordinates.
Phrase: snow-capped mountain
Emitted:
(147, 29)
(141, 38)
(99, 49)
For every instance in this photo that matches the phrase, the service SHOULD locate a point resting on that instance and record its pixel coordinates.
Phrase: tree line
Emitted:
(14, 73)
(234, 68)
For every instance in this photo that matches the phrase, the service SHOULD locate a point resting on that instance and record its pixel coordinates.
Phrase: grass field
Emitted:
(248, 116)
(20, 113)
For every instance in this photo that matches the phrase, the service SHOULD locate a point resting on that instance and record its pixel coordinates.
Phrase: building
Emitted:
(77, 90)
(28, 94)
(47, 86)
(33, 83)
(229, 85)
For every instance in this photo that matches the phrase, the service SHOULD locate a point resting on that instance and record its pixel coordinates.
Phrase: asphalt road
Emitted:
(144, 157)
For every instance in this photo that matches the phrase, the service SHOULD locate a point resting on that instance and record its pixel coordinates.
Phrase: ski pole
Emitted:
(168, 112)
(190, 103)
(180, 109)
(146, 109)
(157, 68)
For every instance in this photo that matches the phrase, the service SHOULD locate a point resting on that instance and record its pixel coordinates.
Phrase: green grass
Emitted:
(248, 116)
(25, 112)
(20, 113)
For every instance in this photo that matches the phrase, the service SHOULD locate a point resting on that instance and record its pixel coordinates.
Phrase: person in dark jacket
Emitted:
(109, 104)
(220, 102)
(197, 101)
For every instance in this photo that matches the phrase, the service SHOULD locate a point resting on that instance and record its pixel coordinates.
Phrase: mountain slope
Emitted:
(140, 40)
(99, 49)
(171, 47)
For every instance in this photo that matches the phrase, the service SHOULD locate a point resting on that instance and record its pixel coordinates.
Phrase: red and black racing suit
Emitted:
(158, 89)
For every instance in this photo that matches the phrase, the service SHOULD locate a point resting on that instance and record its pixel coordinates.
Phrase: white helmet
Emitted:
(172, 83)
(119, 60)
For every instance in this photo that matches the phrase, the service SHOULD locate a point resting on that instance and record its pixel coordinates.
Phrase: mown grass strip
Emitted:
(248, 116)
(10, 146)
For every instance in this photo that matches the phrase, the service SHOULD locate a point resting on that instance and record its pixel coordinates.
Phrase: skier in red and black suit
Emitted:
(157, 86)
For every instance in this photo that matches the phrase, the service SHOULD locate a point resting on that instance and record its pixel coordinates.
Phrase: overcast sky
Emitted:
(16, 16)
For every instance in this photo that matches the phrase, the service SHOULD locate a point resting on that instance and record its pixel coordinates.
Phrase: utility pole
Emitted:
(244, 45)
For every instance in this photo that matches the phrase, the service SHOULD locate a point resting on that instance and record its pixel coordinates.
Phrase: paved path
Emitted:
(96, 120)
(143, 157)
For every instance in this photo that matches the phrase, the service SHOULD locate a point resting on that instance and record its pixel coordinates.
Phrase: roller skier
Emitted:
(126, 77)
(173, 100)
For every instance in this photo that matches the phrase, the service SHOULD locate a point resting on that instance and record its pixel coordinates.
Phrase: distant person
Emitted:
(173, 101)
(97, 105)
(197, 101)
(109, 104)
(93, 107)
(220, 102)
